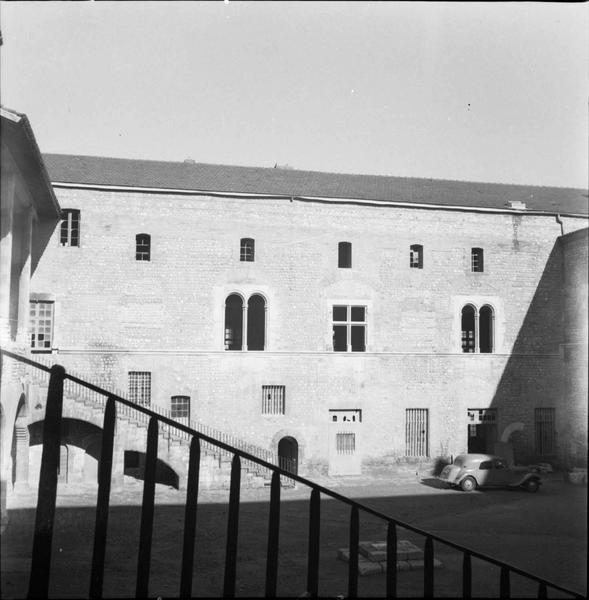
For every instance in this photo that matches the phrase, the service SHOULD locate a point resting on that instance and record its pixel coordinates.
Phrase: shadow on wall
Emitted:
(530, 390)
(135, 467)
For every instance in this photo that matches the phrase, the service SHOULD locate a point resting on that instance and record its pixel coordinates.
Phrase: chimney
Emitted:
(516, 204)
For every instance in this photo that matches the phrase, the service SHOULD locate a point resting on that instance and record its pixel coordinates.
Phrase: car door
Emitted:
(485, 473)
(500, 472)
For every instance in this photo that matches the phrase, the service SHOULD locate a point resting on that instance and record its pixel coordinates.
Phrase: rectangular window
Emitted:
(180, 407)
(142, 246)
(140, 387)
(476, 260)
(344, 255)
(416, 432)
(349, 328)
(345, 443)
(69, 233)
(273, 399)
(416, 256)
(41, 325)
(545, 431)
(246, 250)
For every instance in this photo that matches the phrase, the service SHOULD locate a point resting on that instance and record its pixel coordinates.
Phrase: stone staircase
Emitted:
(86, 401)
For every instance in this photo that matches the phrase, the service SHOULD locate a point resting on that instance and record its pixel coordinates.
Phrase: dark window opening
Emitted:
(344, 255)
(142, 246)
(468, 319)
(69, 233)
(476, 260)
(233, 322)
(256, 322)
(349, 328)
(486, 329)
(545, 431)
(416, 256)
(246, 250)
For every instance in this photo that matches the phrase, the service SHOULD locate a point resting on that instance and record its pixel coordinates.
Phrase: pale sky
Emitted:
(475, 91)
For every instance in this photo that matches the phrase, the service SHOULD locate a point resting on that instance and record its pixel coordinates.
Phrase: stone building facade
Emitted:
(340, 321)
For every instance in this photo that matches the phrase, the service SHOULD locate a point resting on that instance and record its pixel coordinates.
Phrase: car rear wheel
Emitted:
(468, 484)
(532, 485)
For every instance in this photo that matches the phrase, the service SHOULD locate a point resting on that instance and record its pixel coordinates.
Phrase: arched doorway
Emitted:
(288, 454)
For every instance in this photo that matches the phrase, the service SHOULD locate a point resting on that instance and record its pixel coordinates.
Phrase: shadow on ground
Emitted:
(453, 515)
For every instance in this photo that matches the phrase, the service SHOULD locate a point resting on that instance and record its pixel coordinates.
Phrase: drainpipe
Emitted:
(559, 221)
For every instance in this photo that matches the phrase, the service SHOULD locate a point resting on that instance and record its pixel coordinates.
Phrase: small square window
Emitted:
(273, 399)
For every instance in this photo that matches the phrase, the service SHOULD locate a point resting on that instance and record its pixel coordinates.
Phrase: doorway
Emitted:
(482, 430)
(288, 454)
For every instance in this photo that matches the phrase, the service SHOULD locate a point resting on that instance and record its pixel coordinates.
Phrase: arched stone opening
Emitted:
(256, 322)
(288, 454)
(233, 322)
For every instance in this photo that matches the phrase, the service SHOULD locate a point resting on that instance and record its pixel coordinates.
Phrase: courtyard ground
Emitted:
(544, 533)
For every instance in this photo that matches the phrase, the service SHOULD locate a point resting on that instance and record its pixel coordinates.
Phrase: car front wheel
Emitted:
(532, 485)
(468, 484)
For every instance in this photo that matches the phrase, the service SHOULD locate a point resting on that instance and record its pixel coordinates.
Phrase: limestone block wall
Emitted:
(114, 314)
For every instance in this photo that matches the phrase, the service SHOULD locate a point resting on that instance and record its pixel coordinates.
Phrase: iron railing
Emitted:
(46, 502)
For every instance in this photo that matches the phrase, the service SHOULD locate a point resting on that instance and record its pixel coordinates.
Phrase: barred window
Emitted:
(246, 250)
(416, 432)
(273, 399)
(142, 246)
(180, 407)
(69, 233)
(41, 325)
(345, 443)
(140, 387)
(416, 256)
(344, 255)
(545, 432)
(349, 328)
(476, 260)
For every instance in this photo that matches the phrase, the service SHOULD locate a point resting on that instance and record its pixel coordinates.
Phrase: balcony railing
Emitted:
(46, 502)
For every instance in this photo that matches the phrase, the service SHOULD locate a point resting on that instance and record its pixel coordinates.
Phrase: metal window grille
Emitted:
(69, 234)
(344, 255)
(345, 443)
(416, 432)
(273, 399)
(246, 250)
(142, 246)
(416, 256)
(545, 431)
(140, 387)
(180, 407)
(41, 325)
(476, 260)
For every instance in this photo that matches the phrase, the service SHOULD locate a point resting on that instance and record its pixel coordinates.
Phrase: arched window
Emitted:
(477, 329)
(256, 322)
(416, 256)
(246, 250)
(476, 260)
(468, 328)
(142, 246)
(233, 322)
(486, 329)
(344, 255)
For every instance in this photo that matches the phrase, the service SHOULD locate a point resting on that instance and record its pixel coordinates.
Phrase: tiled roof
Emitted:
(93, 170)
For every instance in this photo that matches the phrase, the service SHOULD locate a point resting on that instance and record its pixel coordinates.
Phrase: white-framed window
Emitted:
(41, 316)
(273, 399)
(143, 246)
(349, 328)
(477, 329)
(180, 407)
(140, 387)
(477, 263)
(69, 232)
(247, 248)
(416, 256)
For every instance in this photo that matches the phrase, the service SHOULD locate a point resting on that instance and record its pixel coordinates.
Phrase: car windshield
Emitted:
(459, 461)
